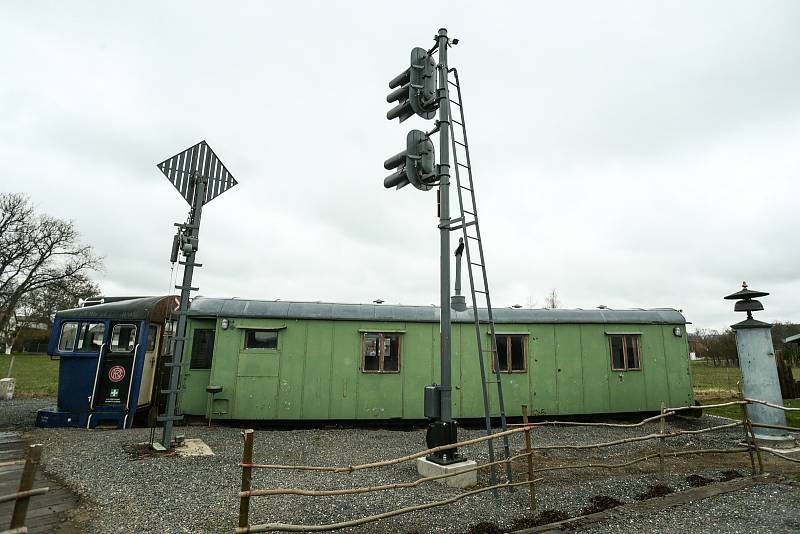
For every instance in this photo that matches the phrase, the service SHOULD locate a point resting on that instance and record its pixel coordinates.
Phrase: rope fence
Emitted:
(751, 447)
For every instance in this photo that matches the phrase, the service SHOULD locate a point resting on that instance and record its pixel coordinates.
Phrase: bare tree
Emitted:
(40, 306)
(551, 300)
(37, 253)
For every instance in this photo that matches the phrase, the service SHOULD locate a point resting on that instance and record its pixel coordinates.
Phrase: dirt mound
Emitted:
(696, 481)
(656, 490)
(545, 517)
(598, 503)
(729, 475)
(140, 451)
(484, 528)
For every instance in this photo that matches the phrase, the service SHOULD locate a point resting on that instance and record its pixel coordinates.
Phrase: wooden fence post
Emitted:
(749, 426)
(529, 452)
(247, 473)
(661, 430)
(747, 438)
(26, 483)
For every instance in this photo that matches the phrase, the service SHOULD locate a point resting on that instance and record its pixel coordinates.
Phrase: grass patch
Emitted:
(735, 412)
(714, 382)
(36, 374)
(711, 382)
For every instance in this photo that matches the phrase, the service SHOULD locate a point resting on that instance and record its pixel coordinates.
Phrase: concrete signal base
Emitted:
(426, 468)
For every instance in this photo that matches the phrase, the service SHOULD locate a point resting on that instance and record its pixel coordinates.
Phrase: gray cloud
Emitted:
(626, 153)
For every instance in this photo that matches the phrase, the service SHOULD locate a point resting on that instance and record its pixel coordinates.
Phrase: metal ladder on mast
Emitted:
(468, 224)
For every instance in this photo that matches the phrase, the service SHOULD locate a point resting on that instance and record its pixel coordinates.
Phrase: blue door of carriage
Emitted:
(111, 395)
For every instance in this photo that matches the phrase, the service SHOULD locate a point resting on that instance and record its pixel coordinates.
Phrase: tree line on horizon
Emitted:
(719, 348)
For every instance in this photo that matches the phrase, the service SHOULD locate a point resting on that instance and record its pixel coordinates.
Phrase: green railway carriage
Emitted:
(278, 360)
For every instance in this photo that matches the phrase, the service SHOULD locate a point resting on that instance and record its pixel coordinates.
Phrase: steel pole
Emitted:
(186, 287)
(444, 230)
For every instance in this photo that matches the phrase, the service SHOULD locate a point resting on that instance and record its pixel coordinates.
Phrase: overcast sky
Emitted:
(629, 154)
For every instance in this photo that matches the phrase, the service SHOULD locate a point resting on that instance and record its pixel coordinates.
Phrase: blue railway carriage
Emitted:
(110, 362)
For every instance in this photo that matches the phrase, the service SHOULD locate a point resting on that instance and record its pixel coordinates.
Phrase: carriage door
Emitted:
(114, 376)
(149, 365)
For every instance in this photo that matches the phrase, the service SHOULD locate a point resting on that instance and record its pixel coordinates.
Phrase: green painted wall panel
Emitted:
(569, 373)
(596, 362)
(259, 363)
(227, 346)
(316, 393)
(678, 371)
(256, 398)
(543, 370)
(416, 367)
(345, 370)
(654, 367)
(292, 350)
(193, 396)
(469, 378)
(457, 391)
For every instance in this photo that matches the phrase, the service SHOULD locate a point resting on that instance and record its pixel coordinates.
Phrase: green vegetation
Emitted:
(735, 412)
(718, 382)
(36, 374)
(714, 382)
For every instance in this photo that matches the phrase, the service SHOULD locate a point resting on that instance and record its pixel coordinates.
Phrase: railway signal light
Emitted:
(415, 165)
(414, 88)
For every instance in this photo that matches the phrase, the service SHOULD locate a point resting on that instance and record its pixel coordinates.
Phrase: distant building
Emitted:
(697, 349)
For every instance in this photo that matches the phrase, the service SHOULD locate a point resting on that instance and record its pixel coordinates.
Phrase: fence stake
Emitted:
(750, 442)
(661, 430)
(753, 441)
(247, 473)
(25, 484)
(749, 426)
(529, 452)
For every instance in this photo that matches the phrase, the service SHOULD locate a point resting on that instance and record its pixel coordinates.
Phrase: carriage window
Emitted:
(90, 337)
(625, 352)
(511, 353)
(69, 331)
(380, 353)
(261, 339)
(202, 348)
(152, 337)
(166, 339)
(123, 338)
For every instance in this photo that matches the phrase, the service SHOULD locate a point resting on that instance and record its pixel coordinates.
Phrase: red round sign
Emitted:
(116, 373)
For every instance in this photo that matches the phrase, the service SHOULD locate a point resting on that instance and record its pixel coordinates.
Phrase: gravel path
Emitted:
(200, 494)
(20, 412)
(764, 509)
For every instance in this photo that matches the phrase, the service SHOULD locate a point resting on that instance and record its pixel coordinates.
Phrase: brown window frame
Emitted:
(509, 369)
(200, 361)
(380, 345)
(638, 338)
(248, 331)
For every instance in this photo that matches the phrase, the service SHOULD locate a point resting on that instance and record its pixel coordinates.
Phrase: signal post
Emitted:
(415, 91)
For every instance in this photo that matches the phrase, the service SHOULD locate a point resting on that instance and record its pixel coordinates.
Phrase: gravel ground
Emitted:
(20, 412)
(764, 509)
(172, 494)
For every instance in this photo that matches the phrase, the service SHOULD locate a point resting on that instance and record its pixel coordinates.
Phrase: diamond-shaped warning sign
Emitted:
(180, 169)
